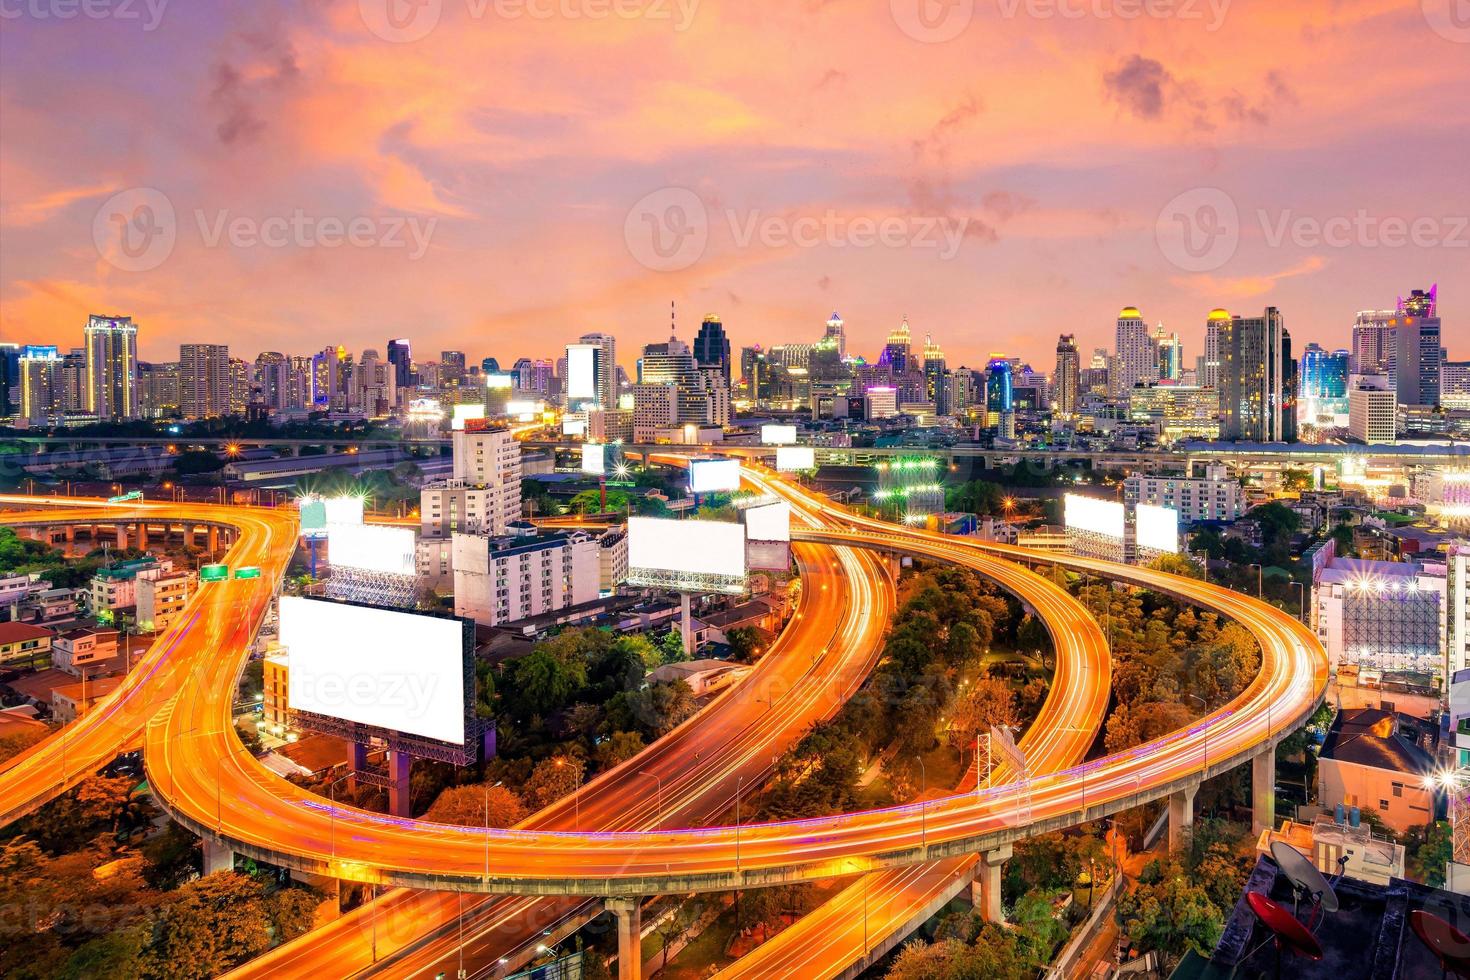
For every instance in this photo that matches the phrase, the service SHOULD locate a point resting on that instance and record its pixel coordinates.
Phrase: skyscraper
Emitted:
(272, 375)
(402, 361)
(712, 347)
(1257, 379)
(1324, 386)
(1170, 354)
(1373, 342)
(1417, 355)
(606, 367)
(451, 367)
(1209, 365)
(204, 380)
(1000, 397)
(111, 344)
(10, 379)
(836, 332)
(39, 383)
(934, 373)
(896, 351)
(1136, 359)
(1069, 375)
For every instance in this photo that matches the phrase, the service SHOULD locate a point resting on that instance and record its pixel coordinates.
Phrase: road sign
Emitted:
(247, 571)
(214, 573)
(134, 495)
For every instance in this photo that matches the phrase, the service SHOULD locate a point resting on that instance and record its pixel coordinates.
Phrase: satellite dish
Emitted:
(1304, 877)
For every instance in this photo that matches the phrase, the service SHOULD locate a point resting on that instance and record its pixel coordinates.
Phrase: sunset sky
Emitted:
(535, 147)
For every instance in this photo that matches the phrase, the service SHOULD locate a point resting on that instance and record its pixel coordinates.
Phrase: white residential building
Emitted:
(1213, 497)
(1382, 615)
(506, 579)
(1372, 409)
(484, 497)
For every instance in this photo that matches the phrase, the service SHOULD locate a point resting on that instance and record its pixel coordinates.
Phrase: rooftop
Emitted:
(12, 632)
(1380, 739)
(1368, 937)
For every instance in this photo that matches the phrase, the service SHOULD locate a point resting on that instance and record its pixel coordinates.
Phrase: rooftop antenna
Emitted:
(673, 325)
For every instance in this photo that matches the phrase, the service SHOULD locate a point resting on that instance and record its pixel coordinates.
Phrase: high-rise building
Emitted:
(111, 343)
(1417, 354)
(934, 376)
(1066, 385)
(1373, 342)
(753, 377)
(375, 385)
(896, 351)
(204, 380)
(10, 380)
(239, 397)
(39, 380)
(1209, 365)
(1000, 397)
(835, 332)
(402, 360)
(483, 497)
(712, 347)
(671, 362)
(451, 367)
(1454, 385)
(272, 377)
(591, 375)
(1170, 354)
(1257, 379)
(1372, 409)
(1136, 359)
(1324, 386)
(158, 389)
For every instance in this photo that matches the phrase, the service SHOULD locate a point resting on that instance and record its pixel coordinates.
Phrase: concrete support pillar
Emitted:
(985, 889)
(686, 624)
(356, 762)
(1181, 817)
(331, 889)
(217, 856)
(71, 534)
(142, 535)
(213, 539)
(1263, 791)
(188, 535)
(629, 914)
(122, 537)
(399, 766)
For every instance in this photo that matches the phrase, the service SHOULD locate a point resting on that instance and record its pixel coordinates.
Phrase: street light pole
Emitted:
(923, 810)
(660, 781)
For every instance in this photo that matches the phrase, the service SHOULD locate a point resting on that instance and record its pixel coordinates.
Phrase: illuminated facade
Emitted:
(111, 344)
(1382, 616)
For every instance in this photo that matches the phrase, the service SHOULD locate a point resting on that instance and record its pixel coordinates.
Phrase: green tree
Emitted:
(543, 683)
(208, 927)
(1430, 849)
(617, 748)
(552, 779)
(472, 806)
(744, 643)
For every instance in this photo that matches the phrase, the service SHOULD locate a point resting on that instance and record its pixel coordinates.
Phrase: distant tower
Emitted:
(835, 331)
(896, 351)
(712, 347)
(111, 344)
(1136, 356)
(1069, 375)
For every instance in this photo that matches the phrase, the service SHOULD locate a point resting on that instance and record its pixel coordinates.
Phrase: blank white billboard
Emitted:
(1103, 517)
(778, 435)
(688, 547)
(714, 475)
(343, 510)
(382, 667)
(792, 458)
(1157, 528)
(372, 548)
(594, 458)
(573, 425)
(581, 372)
(462, 412)
(770, 522)
(500, 382)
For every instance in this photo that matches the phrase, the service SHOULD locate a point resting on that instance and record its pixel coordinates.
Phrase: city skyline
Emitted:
(520, 234)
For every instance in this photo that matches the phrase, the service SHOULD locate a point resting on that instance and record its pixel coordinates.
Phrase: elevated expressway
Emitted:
(690, 776)
(280, 824)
